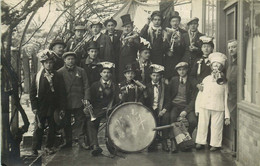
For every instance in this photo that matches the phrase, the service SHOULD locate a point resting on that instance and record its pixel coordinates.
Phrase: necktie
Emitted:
(182, 82)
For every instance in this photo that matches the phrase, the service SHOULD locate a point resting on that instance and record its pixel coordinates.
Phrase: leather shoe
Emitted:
(84, 146)
(214, 148)
(165, 146)
(199, 146)
(96, 150)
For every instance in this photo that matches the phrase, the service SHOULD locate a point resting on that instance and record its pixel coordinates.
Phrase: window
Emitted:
(251, 54)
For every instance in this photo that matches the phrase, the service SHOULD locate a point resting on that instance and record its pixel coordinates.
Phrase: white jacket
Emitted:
(213, 97)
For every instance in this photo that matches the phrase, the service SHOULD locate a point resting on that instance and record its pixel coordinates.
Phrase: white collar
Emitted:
(184, 79)
(103, 81)
(153, 83)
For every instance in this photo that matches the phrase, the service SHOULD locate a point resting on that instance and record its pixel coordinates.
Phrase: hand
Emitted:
(200, 87)
(162, 112)
(34, 111)
(166, 81)
(196, 113)
(227, 121)
(183, 114)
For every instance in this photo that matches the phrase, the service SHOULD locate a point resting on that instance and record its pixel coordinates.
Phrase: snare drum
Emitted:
(130, 127)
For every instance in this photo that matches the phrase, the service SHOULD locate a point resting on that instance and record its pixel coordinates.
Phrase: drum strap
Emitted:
(136, 93)
(161, 100)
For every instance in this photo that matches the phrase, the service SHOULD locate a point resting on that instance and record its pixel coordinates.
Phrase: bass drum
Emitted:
(130, 128)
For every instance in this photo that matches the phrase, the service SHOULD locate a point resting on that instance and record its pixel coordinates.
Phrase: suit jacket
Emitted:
(105, 48)
(138, 73)
(47, 101)
(102, 97)
(173, 91)
(176, 56)
(77, 87)
(204, 72)
(232, 86)
(188, 55)
(158, 45)
(132, 94)
(92, 69)
(128, 54)
(149, 98)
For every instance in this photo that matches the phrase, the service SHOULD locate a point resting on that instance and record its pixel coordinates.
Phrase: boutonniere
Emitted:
(77, 75)
(200, 61)
(93, 67)
(115, 34)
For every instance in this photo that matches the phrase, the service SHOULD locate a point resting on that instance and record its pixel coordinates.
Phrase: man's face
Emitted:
(156, 21)
(216, 66)
(182, 71)
(206, 49)
(106, 74)
(70, 61)
(58, 49)
(110, 27)
(155, 77)
(175, 22)
(129, 75)
(232, 49)
(193, 26)
(93, 53)
(96, 29)
(48, 65)
(145, 54)
(79, 34)
(128, 28)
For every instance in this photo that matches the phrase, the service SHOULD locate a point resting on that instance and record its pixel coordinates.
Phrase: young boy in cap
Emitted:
(104, 42)
(75, 42)
(58, 46)
(201, 68)
(47, 94)
(129, 89)
(211, 104)
(176, 48)
(77, 89)
(180, 99)
(90, 64)
(192, 42)
(129, 44)
(102, 99)
(153, 32)
(143, 63)
(155, 99)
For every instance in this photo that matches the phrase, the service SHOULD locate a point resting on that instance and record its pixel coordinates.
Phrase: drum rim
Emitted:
(109, 119)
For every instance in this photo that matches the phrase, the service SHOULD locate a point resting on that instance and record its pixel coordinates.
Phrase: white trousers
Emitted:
(216, 127)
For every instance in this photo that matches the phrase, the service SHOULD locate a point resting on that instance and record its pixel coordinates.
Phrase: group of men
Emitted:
(160, 68)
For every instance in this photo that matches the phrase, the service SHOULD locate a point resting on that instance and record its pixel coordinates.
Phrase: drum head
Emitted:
(130, 127)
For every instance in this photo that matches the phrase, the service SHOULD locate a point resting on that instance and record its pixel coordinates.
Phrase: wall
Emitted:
(249, 139)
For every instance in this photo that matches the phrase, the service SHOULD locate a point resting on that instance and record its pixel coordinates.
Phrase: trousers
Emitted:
(216, 128)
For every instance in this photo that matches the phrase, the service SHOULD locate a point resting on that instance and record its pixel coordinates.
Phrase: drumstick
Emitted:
(163, 127)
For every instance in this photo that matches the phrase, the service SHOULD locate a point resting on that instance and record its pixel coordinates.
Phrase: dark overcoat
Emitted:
(76, 84)
(47, 101)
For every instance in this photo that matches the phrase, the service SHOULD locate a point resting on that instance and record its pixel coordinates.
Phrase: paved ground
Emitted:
(79, 157)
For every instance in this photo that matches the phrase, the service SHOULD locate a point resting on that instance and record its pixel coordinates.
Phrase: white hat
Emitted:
(218, 57)
(107, 65)
(156, 68)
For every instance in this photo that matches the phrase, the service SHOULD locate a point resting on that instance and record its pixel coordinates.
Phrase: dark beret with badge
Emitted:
(130, 67)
